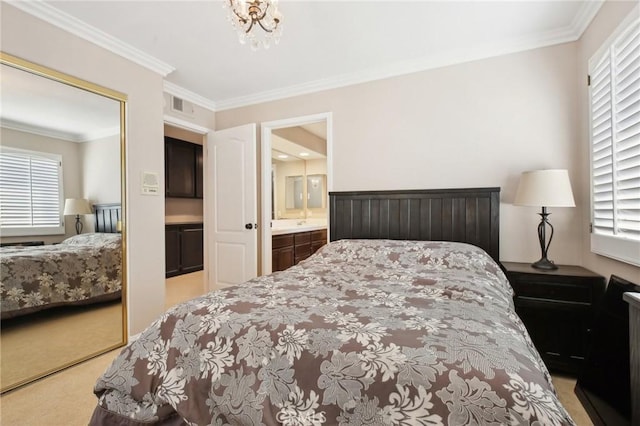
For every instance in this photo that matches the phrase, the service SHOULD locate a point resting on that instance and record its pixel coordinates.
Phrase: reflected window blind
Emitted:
(615, 137)
(30, 189)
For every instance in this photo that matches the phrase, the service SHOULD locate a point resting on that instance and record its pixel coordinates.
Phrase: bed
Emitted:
(369, 330)
(81, 270)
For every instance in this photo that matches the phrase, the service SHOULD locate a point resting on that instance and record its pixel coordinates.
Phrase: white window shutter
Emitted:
(30, 193)
(615, 145)
(601, 145)
(626, 53)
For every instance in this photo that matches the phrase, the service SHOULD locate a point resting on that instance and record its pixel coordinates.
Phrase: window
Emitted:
(30, 193)
(614, 95)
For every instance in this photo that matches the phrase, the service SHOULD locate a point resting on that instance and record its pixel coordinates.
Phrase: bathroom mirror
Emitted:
(294, 193)
(63, 293)
(316, 190)
(298, 175)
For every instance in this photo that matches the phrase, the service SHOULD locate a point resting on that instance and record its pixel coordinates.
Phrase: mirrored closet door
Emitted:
(62, 230)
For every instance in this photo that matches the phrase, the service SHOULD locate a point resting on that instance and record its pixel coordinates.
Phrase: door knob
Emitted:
(248, 226)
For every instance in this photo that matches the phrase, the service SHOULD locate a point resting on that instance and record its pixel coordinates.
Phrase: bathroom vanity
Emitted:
(290, 246)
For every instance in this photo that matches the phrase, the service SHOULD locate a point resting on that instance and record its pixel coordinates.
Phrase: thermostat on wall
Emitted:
(150, 183)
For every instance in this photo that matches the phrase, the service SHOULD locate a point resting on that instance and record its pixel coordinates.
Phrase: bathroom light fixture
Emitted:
(247, 15)
(304, 154)
(544, 188)
(283, 156)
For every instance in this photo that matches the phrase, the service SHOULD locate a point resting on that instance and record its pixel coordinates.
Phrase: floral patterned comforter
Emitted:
(85, 268)
(363, 332)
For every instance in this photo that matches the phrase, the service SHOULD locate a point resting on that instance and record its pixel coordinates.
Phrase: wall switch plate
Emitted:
(150, 183)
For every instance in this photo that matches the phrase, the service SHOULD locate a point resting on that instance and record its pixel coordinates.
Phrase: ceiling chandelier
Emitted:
(247, 15)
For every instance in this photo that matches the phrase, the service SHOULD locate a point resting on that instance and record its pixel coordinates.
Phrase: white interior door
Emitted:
(231, 210)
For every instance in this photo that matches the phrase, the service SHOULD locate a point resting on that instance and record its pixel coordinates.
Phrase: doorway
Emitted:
(184, 214)
(296, 164)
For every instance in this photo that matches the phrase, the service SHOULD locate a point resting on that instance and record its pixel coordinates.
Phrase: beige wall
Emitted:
(183, 134)
(470, 125)
(29, 38)
(100, 161)
(101, 170)
(607, 20)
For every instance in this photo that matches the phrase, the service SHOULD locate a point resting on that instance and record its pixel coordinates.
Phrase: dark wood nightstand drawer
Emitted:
(535, 289)
(557, 307)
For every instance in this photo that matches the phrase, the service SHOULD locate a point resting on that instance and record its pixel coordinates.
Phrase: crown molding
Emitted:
(187, 95)
(58, 134)
(397, 69)
(585, 15)
(37, 130)
(100, 134)
(571, 33)
(60, 19)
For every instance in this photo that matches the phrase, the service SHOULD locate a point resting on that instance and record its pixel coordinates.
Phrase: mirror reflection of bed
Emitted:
(79, 323)
(54, 318)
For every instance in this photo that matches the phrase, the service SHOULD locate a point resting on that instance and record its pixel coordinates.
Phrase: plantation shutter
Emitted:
(626, 54)
(30, 192)
(615, 140)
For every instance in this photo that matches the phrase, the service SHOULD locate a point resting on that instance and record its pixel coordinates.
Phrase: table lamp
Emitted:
(544, 188)
(77, 207)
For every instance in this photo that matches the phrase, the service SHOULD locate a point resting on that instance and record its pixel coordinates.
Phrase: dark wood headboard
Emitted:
(107, 217)
(470, 215)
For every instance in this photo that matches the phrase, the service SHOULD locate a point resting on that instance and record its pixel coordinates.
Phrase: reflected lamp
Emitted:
(77, 207)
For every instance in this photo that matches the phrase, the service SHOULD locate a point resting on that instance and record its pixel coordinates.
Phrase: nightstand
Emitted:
(558, 308)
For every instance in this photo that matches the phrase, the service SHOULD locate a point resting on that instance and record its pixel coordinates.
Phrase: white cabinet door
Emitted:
(231, 206)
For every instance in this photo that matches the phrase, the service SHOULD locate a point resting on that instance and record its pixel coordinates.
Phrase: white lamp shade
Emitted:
(545, 188)
(76, 206)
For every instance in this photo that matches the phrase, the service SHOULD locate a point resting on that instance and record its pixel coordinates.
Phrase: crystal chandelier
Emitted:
(247, 15)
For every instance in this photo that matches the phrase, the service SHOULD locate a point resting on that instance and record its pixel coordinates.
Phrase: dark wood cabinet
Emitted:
(281, 252)
(290, 249)
(184, 248)
(558, 308)
(301, 246)
(183, 169)
(199, 172)
(172, 250)
(604, 387)
(634, 344)
(192, 248)
(318, 239)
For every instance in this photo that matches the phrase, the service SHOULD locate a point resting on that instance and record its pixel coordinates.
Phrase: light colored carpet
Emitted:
(63, 399)
(40, 343)
(183, 287)
(66, 398)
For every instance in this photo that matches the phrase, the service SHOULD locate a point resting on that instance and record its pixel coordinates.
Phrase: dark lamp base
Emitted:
(544, 264)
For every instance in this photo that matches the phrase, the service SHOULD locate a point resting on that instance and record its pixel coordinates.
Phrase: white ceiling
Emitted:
(33, 104)
(293, 151)
(324, 44)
